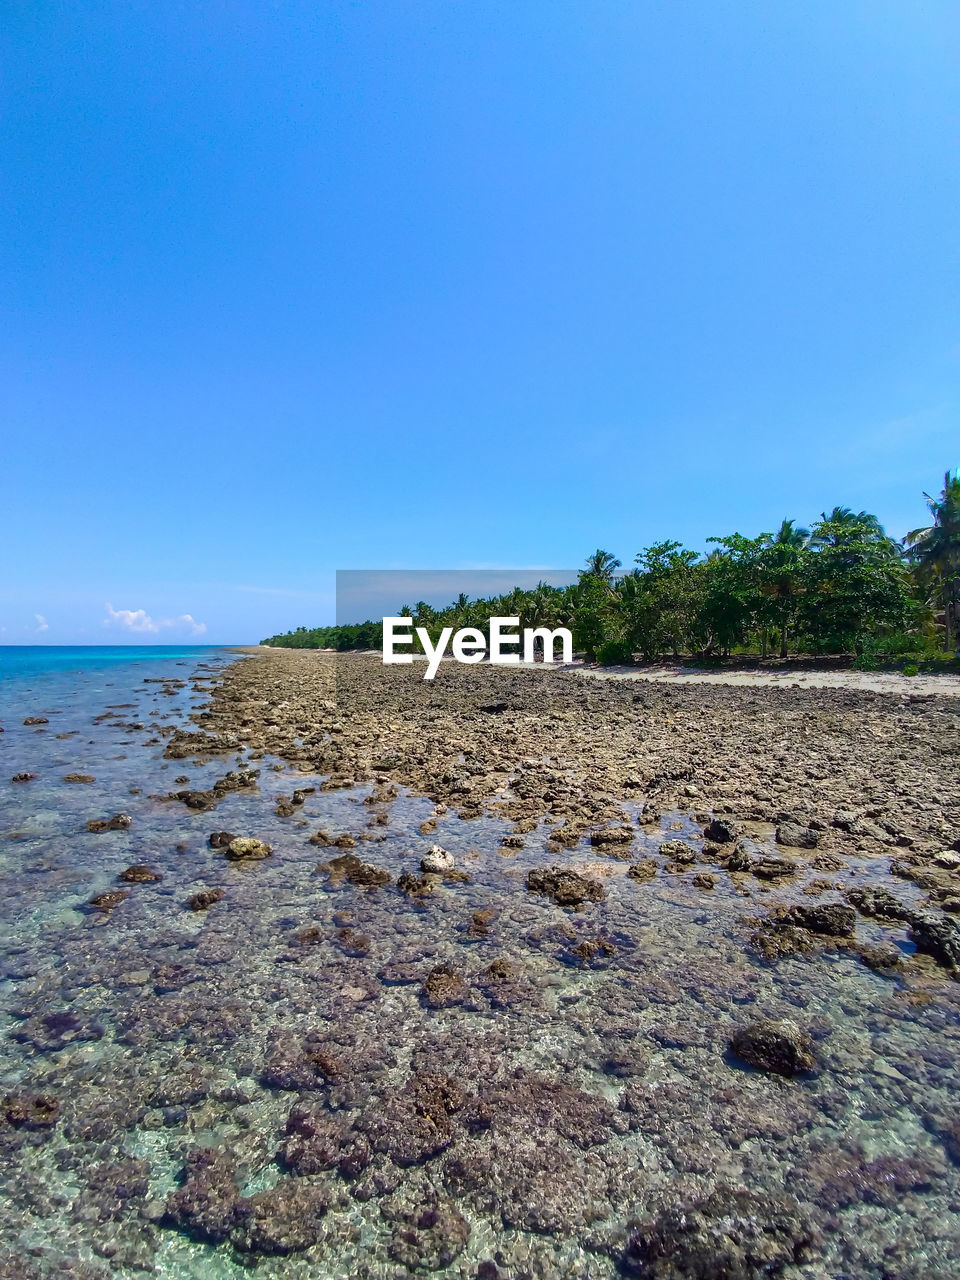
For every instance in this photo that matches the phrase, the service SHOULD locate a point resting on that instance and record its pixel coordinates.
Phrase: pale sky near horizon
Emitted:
(301, 287)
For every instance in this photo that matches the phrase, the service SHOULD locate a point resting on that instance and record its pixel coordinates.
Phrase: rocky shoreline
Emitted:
(511, 976)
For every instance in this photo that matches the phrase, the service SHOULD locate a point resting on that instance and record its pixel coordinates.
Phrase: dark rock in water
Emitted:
(938, 936)
(29, 1111)
(221, 839)
(678, 851)
(119, 822)
(236, 780)
(205, 1206)
(414, 886)
(248, 849)
(285, 1219)
(417, 1123)
(704, 880)
(772, 868)
(108, 900)
(36, 720)
(645, 870)
(349, 867)
(797, 837)
(444, 987)
(880, 903)
(612, 836)
(883, 960)
(836, 1180)
(428, 1235)
(566, 888)
(50, 1032)
(776, 1045)
(730, 1235)
(833, 919)
(139, 874)
(317, 1140)
(24, 777)
(721, 831)
(204, 899)
(78, 777)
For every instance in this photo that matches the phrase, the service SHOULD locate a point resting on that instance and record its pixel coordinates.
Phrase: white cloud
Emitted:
(42, 624)
(140, 620)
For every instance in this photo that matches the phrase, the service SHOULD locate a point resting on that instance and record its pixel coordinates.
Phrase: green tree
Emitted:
(935, 553)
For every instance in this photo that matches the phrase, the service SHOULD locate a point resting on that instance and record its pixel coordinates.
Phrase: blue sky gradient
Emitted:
(302, 287)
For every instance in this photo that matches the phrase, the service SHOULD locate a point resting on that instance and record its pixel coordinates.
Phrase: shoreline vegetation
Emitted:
(842, 589)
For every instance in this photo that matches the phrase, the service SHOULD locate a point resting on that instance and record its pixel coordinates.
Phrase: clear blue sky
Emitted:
(297, 286)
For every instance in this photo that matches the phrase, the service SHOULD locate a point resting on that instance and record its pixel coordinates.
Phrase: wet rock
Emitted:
(417, 1123)
(773, 868)
(437, 860)
(721, 831)
(108, 900)
(414, 886)
(775, 1045)
(205, 1206)
(535, 1102)
(796, 837)
(836, 1180)
(830, 918)
(247, 849)
(480, 922)
(222, 839)
(444, 987)
(678, 851)
(730, 1235)
(644, 870)
(30, 720)
(29, 1110)
(205, 899)
(884, 960)
(566, 888)
(427, 1236)
(704, 880)
(303, 1063)
(938, 936)
(119, 822)
(115, 1189)
(286, 1219)
(139, 874)
(24, 777)
(611, 838)
(317, 1140)
(348, 867)
(50, 1032)
(879, 903)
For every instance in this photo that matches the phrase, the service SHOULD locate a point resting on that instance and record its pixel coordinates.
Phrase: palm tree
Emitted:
(782, 562)
(602, 565)
(935, 551)
(844, 525)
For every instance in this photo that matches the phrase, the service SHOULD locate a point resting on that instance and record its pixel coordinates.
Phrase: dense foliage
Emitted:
(842, 586)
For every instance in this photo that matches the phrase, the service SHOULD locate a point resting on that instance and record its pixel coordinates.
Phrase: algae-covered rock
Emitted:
(777, 1045)
(247, 848)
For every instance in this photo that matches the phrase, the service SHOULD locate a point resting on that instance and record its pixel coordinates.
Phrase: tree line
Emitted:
(843, 586)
